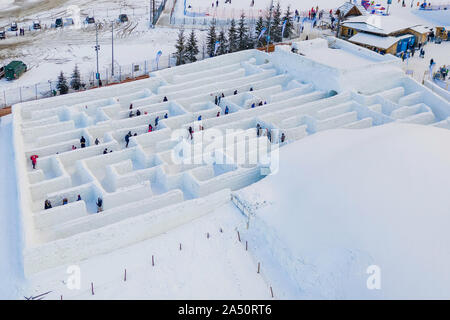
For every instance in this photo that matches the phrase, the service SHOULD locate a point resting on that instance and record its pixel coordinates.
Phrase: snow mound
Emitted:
(345, 200)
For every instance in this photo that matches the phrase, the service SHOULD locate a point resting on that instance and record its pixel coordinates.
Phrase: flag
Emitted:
(216, 46)
(284, 27)
(262, 33)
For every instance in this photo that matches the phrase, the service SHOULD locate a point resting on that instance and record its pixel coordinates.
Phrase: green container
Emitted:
(15, 69)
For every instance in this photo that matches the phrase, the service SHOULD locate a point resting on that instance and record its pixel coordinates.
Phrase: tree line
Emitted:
(239, 36)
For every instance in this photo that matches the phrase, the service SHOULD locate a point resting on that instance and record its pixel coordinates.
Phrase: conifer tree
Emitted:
(62, 86)
(211, 39)
(223, 48)
(260, 25)
(242, 33)
(75, 83)
(192, 47)
(180, 47)
(232, 37)
(275, 32)
(288, 30)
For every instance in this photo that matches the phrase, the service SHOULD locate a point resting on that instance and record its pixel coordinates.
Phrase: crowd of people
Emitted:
(65, 201)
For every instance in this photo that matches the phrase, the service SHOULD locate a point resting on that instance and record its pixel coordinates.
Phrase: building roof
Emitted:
(346, 7)
(384, 25)
(376, 41)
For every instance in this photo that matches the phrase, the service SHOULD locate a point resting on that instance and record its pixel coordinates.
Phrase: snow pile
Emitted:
(346, 200)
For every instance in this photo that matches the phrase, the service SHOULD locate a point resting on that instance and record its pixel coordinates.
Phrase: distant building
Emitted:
(348, 10)
(384, 34)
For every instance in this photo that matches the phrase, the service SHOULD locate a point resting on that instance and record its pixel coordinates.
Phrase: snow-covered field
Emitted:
(345, 200)
(11, 267)
(217, 267)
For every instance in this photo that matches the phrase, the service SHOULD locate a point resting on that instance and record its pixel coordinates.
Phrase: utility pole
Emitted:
(270, 25)
(97, 49)
(112, 46)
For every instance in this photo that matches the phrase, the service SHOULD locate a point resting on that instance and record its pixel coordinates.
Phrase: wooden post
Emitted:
(239, 236)
(259, 266)
(92, 288)
(207, 235)
(61, 297)
(271, 291)
(246, 245)
(221, 231)
(153, 261)
(125, 275)
(180, 246)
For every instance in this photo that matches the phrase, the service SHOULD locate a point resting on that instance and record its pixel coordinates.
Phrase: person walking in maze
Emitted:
(96, 141)
(191, 132)
(138, 113)
(83, 142)
(131, 114)
(105, 151)
(199, 118)
(283, 137)
(79, 198)
(216, 101)
(258, 130)
(127, 139)
(99, 205)
(218, 114)
(166, 116)
(47, 205)
(165, 99)
(150, 128)
(156, 121)
(227, 110)
(131, 106)
(235, 92)
(34, 160)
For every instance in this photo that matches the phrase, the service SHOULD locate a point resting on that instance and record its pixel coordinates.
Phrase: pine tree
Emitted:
(289, 29)
(180, 47)
(75, 83)
(275, 32)
(232, 37)
(260, 25)
(242, 33)
(223, 48)
(211, 39)
(267, 24)
(62, 86)
(192, 47)
(250, 39)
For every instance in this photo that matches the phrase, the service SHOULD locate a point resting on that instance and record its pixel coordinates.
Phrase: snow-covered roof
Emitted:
(376, 41)
(379, 24)
(346, 7)
(421, 29)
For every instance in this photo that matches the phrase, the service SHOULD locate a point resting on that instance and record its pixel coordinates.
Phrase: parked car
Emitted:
(2, 35)
(123, 17)
(90, 20)
(14, 26)
(59, 23)
(2, 72)
(15, 69)
(36, 25)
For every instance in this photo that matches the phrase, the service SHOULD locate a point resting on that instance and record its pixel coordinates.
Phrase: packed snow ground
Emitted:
(345, 200)
(11, 267)
(217, 267)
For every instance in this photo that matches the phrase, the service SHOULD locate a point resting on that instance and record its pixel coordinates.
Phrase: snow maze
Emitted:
(145, 192)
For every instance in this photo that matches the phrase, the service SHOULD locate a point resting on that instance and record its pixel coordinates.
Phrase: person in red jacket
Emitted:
(34, 160)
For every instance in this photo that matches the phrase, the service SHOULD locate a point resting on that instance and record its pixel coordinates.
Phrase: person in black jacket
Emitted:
(99, 205)
(47, 204)
(83, 142)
